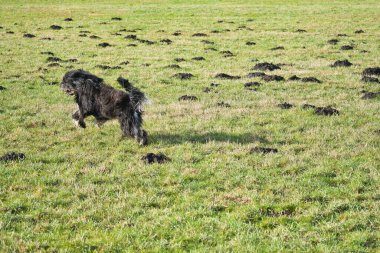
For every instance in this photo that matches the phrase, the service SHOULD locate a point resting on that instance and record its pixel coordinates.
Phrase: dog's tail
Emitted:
(138, 98)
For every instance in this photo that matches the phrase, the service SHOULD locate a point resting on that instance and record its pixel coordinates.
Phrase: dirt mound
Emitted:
(301, 31)
(371, 71)
(187, 98)
(294, 78)
(252, 84)
(250, 43)
(177, 34)
(266, 66)
(341, 35)
(344, 63)
(199, 35)
(68, 19)
(47, 53)
(255, 74)
(132, 45)
(310, 80)
(107, 67)
(155, 158)
(53, 59)
(173, 66)
(263, 150)
(346, 47)
(12, 156)
(124, 63)
(94, 37)
(370, 95)
(327, 111)
(131, 37)
(199, 58)
(148, 42)
(333, 41)
(2, 88)
(29, 35)
(226, 76)
(285, 105)
(227, 53)
(166, 41)
(179, 59)
(183, 76)
(207, 42)
(104, 44)
(359, 31)
(369, 79)
(55, 27)
(270, 78)
(116, 18)
(223, 104)
(54, 64)
(277, 48)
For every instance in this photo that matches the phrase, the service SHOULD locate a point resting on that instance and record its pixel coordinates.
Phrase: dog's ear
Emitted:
(93, 84)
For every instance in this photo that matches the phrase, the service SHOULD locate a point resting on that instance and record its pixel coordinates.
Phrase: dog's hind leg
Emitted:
(130, 123)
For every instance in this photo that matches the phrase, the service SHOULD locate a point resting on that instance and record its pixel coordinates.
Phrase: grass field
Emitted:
(81, 190)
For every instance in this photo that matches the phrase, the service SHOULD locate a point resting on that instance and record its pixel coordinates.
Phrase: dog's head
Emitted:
(74, 79)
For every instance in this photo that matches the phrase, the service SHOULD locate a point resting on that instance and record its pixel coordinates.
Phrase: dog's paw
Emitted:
(82, 124)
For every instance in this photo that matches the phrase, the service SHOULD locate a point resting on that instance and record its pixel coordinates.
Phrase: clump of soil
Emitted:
(29, 35)
(199, 35)
(227, 53)
(285, 105)
(166, 41)
(94, 37)
(371, 71)
(278, 48)
(301, 31)
(252, 84)
(266, 66)
(116, 18)
(104, 44)
(333, 41)
(359, 31)
(344, 63)
(255, 74)
(179, 59)
(370, 79)
(207, 42)
(223, 104)
(54, 64)
(55, 27)
(183, 76)
(215, 31)
(173, 66)
(294, 78)
(107, 67)
(155, 158)
(308, 106)
(68, 19)
(2, 88)
(226, 76)
(327, 111)
(187, 98)
(53, 59)
(270, 78)
(124, 63)
(12, 156)
(370, 95)
(131, 37)
(346, 47)
(176, 33)
(250, 43)
(263, 150)
(47, 53)
(200, 58)
(82, 35)
(10, 32)
(341, 35)
(148, 42)
(131, 45)
(310, 80)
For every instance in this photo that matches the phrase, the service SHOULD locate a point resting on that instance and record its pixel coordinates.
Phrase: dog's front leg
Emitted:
(79, 119)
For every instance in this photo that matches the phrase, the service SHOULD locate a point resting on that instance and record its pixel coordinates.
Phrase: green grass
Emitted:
(87, 190)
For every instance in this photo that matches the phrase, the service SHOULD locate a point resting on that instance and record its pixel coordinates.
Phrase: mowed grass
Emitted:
(88, 189)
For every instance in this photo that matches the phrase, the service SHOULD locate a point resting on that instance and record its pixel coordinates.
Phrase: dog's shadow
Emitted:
(243, 138)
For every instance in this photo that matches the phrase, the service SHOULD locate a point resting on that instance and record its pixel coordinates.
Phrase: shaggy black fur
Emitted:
(104, 102)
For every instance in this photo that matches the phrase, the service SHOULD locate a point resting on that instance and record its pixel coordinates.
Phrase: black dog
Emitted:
(104, 102)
